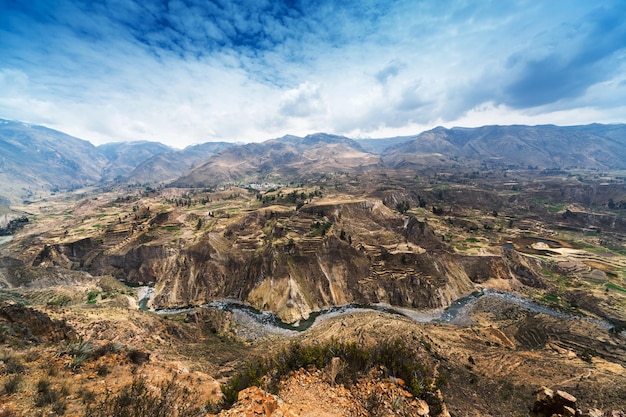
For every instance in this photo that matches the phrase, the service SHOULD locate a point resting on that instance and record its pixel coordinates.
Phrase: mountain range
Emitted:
(36, 159)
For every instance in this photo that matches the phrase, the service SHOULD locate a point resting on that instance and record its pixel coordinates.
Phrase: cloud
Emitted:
(185, 71)
(389, 71)
(574, 59)
(304, 101)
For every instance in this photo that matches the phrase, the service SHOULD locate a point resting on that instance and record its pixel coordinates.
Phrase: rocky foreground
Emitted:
(99, 359)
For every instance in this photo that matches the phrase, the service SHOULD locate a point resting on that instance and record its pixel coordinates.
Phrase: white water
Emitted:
(144, 295)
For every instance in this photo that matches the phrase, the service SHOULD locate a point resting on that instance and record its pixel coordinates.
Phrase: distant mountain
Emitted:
(35, 158)
(289, 158)
(548, 146)
(379, 146)
(167, 166)
(124, 157)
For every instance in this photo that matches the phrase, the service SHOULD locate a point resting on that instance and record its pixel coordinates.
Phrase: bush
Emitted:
(102, 369)
(105, 349)
(80, 350)
(76, 348)
(12, 385)
(138, 399)
(396, 358)
(13, 365)
(45, 394)
(138, 357)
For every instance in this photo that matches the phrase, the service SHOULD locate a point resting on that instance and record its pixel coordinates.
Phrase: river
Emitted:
(457, 312)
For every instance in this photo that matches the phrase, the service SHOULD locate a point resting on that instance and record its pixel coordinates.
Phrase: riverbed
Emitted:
(459, 312)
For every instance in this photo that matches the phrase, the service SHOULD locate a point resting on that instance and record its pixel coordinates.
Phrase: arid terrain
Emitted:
(545, 248)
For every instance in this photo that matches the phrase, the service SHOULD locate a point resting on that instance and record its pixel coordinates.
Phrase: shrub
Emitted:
(92, 297)
(31, 356)
(75, 348)
(59, 407)
(107, 348)
(87, 396)
(396, 358)
(80, 350)
(13, 365)
(12, 385)
(45, 394)
(138, 399)
(102, 369)
(138, 357)
(77, 361)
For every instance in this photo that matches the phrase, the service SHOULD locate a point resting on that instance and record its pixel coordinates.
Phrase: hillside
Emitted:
(425, 295)
(36, 162)
(35, 159)
(168, 166)
(281, 160)
(584, 147)
(123, 157)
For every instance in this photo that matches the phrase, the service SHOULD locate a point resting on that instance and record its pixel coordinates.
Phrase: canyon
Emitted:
(298, 229)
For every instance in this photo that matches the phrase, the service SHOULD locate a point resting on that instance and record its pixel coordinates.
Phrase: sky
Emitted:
(191, 71)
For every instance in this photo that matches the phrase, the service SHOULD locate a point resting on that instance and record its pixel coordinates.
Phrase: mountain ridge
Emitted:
(37, 160)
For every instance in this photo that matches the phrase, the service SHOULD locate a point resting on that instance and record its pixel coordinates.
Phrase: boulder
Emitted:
(549, 403)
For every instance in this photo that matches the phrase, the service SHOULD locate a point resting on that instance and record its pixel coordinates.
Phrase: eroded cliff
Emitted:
(282, 259)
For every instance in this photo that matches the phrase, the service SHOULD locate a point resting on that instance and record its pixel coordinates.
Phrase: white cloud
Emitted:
(198, 72)
(304, 101)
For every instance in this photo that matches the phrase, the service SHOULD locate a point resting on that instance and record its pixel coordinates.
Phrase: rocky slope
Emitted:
(296, 250)
(288, 260)
(292, 262)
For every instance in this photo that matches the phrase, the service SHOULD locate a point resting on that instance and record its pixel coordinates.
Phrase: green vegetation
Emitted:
(396, 358)
(60, 301)
(615, 287)
(320, 228)
(79, 350)
(92, 297)
(551, 299)
(13, 226)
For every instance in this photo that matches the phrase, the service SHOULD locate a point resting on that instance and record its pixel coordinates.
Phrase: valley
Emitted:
(506, 277)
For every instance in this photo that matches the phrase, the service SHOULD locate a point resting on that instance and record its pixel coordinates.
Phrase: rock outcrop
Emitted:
(254, 401)
(32, 325)
(549, 403)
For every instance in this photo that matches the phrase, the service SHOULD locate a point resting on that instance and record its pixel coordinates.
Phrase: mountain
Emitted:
(35, 158)
(167, 166)
(379, 146)
(286, 159)
(123, 157)
(548, 146)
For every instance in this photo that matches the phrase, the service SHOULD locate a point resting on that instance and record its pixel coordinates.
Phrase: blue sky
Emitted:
(192, 71)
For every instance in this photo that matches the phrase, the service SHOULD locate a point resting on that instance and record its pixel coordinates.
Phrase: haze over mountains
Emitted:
(35, 158)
